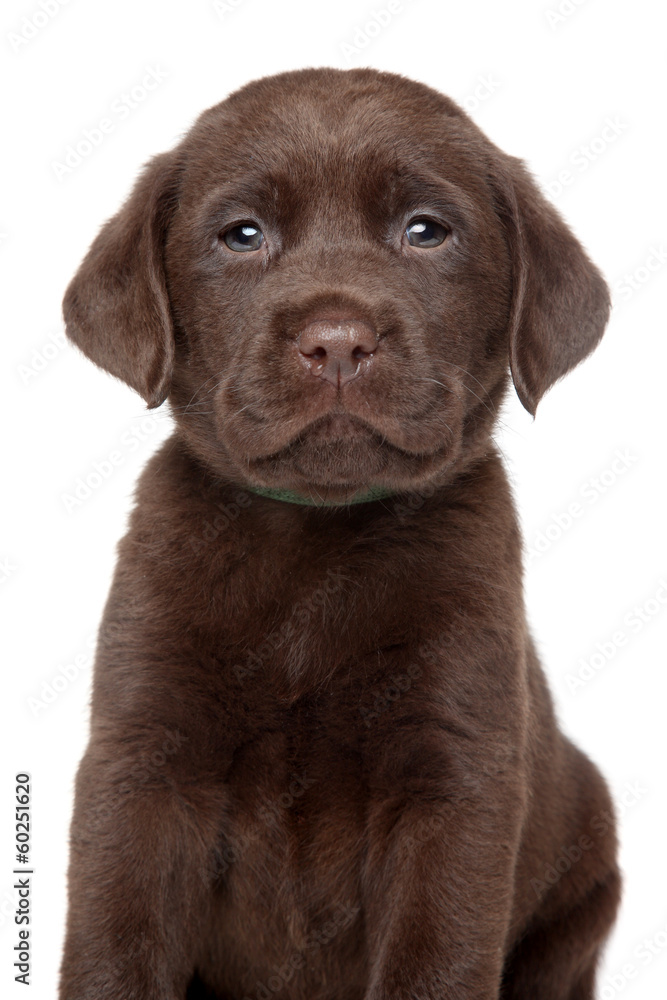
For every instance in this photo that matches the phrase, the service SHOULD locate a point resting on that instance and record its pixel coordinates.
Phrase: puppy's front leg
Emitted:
(439, 894)
(138, 890)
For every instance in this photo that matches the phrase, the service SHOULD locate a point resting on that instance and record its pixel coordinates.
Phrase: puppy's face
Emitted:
(331, 276)
(342, 285)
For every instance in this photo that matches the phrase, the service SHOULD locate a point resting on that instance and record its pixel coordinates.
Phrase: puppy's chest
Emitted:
(293, 844)
(316, 693)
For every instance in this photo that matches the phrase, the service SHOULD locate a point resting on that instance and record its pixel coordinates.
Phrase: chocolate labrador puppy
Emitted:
(323, 761)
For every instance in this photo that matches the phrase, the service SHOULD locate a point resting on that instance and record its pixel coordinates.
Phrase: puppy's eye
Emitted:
(245, 236)
(425, 233)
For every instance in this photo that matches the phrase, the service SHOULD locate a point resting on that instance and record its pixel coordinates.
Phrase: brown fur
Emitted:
(323, 759)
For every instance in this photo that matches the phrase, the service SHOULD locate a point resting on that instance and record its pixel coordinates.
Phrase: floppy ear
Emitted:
(116, 307)
(560, 301)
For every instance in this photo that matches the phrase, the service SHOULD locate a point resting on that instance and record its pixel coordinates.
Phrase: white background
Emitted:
(543, 86)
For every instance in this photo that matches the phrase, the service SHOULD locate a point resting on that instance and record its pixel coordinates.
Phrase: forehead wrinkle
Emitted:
(423, 186)
(305, 130)
(245, 191)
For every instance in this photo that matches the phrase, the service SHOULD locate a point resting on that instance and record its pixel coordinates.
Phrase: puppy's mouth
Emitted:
(339, 455)
(336, 426)
(313, 439)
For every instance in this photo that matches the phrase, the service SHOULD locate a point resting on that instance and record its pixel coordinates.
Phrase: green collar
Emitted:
(288, 496)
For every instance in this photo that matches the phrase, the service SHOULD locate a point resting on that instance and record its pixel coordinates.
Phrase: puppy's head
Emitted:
(331, 277)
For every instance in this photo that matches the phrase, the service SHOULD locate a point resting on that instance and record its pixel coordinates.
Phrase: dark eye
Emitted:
(425, 233)
(245, 236)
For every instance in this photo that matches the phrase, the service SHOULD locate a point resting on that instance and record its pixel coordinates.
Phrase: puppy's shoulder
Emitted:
(181, 508)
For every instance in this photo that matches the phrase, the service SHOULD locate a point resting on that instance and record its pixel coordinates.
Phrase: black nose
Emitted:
(337, 350)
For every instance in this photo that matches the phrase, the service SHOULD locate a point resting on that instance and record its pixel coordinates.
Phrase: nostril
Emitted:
(316, 353)
(359, 353)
